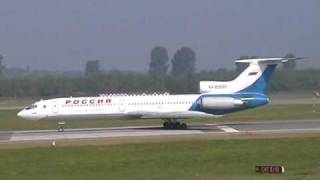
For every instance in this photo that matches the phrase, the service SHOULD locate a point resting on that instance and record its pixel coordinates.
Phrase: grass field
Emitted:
(10, 121)
(195, 159)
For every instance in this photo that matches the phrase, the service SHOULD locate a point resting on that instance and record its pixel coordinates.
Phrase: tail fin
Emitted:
(255, 78)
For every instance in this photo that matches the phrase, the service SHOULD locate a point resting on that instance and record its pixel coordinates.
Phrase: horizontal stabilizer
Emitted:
(268, 60)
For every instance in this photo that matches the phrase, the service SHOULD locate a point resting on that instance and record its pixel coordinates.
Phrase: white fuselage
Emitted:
(105, 107)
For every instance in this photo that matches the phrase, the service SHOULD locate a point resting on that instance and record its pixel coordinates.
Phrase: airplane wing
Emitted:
(175, 115)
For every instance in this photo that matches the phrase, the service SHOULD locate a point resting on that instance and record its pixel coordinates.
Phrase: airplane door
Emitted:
(55, 107)
(122, 105)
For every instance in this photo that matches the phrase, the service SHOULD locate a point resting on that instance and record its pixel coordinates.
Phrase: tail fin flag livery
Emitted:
(216, 99)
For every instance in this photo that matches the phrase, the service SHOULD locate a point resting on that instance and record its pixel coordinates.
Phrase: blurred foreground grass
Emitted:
(194, 159)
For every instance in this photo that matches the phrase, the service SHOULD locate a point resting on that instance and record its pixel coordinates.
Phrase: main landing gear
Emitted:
(174, 124)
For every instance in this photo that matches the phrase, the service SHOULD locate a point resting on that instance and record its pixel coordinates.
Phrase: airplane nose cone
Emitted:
(26, 115)
(29, 115)
(21, 114)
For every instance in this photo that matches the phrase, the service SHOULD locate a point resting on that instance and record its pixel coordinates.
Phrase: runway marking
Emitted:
(285, 130)
(227, 129)
(211, 124)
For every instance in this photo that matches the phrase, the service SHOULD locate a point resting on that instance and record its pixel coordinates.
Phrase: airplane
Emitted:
(216, 99)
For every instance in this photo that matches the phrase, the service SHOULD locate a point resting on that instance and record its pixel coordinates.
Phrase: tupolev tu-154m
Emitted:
(216, 99)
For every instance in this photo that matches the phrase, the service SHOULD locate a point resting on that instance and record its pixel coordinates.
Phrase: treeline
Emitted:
(174, 75)
(120, 82)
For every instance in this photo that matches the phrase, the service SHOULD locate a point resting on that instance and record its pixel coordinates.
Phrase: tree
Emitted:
(183, 62)
(1, 65)
(159, 61)
(92, 67)
(290, 65)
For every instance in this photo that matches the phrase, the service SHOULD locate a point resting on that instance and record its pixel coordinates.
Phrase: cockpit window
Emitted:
(32, 106)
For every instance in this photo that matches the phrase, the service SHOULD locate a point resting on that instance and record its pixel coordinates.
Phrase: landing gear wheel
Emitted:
(61, 126)
(176, 125)
(166, 125)
(171, 125)
(183, 126)
(60, 129)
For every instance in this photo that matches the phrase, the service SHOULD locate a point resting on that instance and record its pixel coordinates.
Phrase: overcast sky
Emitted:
(63, 34)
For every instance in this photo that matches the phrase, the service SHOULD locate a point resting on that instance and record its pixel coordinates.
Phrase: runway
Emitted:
(149, 131)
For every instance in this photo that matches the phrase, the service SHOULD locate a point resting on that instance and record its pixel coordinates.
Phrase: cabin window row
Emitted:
(157, 103)
(130, 104)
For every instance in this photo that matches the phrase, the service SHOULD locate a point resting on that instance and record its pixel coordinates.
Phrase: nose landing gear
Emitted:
(174, 124)
(61, 126)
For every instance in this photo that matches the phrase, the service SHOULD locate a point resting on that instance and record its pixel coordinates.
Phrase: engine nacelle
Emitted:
(221, 103)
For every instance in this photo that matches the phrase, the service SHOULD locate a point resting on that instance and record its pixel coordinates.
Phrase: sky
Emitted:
(64, 34)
